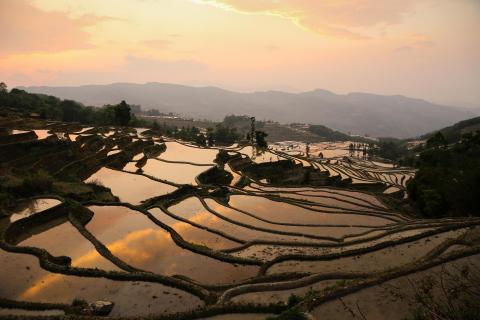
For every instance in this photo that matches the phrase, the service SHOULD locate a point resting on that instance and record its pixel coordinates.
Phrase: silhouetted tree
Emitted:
(437, 141)
(155, 126)
(72, 111)
(201, 140)
(448, 179)
(3, 87)
(210, 141)
(122, 113)
(260, 139)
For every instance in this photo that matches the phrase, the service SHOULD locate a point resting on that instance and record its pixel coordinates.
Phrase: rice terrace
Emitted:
(123, 221)
(240, 159)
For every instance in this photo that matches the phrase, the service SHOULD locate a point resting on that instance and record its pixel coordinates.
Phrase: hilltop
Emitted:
(357, 113)
(454, 132)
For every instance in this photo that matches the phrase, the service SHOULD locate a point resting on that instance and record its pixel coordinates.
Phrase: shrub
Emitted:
(293, 300)
(39, 182)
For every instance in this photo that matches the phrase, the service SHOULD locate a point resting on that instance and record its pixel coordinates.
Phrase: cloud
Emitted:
(158, 44)
(133, 69)
(415, 41)
(152, 66)
(424, 44)
(403, 49)
(26, 28)
(335, 18)
(272, 48)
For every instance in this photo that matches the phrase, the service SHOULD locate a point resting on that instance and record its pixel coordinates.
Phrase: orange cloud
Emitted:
(416, 41)
(26, 28)
(158, 44)
(336, 18)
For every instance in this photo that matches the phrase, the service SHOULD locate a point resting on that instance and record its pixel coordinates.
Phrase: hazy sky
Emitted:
(422, 48)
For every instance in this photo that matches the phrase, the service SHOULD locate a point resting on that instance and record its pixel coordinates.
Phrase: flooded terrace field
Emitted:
(169, 228)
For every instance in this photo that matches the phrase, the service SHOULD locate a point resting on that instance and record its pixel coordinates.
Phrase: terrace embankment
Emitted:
(178, 231)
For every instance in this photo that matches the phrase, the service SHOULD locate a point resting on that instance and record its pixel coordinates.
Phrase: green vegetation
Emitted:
(293, 299)
(53, 108)
(457, 299)
(260, 139)
(448, 179)
(328, 134)
(122, 114)
(454, 133)
(222, 135)
(290, 314)
(392, 149)
(39, 182)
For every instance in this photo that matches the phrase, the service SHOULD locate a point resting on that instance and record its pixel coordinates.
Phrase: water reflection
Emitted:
(176, 172)
(31, 207)
(284, 212)
(193, 210)
(128, 187)
(73, 244)
(193, 234)
(135, 239)
(179, 152)
(131, 298)
(314, 231)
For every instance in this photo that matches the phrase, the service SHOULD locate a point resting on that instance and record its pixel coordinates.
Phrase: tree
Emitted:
(122, 113)
(437, 141)
(260, 139)
(210, 140)
(201, 140)
(72, 111)
(448, 179)
(3, 87)
(155, 126)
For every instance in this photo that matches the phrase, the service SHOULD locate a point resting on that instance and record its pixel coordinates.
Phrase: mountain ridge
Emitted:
(355, 112)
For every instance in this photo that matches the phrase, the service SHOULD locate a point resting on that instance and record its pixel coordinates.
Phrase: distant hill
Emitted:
(357, 113)
(284, 132)
(454, 132)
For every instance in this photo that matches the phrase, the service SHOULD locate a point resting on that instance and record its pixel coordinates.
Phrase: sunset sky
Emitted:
(428, 49)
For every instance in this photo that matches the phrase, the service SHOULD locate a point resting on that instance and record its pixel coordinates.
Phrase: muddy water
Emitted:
(314, 231)
(18, 131)
(244, 316)
(73, 244)
(383, 301)
(267, 297)
(83, 130)
(74, 137)
(31, 313)
(132, 237)
(111, 153)
(42, 134)
(193, 210)
(179, 152)
(347, 195)
(380, 260)
(23, 279)
(194, 234)
(268, 252)
(391, 190)
(266, 156)
(176, 172)
(287, 213)
(328, 149)
(138, 157)
(236, 176)
(140, 130)
(129, 187)
(323, 201)
(33, 207)
(352, 196)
